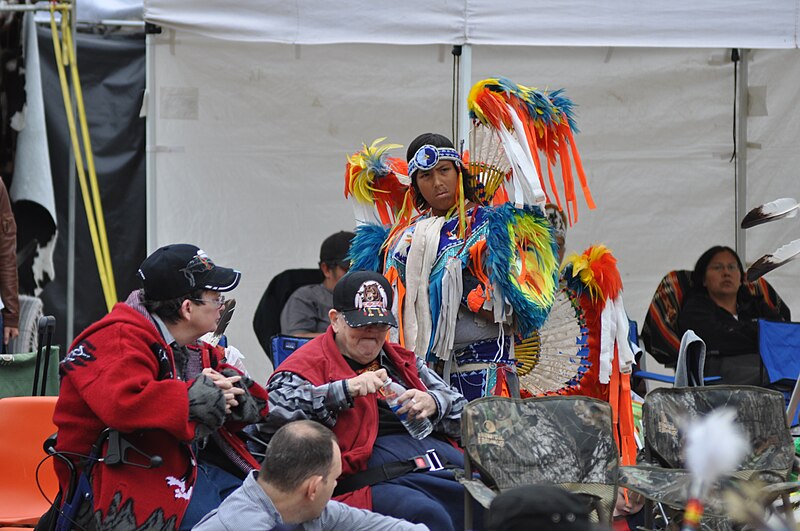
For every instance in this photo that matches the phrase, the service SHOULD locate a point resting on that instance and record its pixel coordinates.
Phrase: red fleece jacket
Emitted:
(320, 361)
(120, 374)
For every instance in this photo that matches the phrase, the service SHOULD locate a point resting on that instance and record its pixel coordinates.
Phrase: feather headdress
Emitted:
(377, 185)
(526, 122)
(594, 278)
(594, 271)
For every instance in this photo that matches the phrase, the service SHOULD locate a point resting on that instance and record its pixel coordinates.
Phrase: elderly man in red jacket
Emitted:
(337, 379)
(158, 409)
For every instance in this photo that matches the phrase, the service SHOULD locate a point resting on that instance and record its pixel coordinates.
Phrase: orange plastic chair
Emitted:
(26, 422)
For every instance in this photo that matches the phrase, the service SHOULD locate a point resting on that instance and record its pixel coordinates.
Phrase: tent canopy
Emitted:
(248, 127)
(678, 23)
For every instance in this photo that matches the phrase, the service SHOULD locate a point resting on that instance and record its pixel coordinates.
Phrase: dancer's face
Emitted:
(439, 186)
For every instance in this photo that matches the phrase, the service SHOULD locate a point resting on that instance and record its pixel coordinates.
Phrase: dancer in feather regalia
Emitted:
(477, 263)
(594, 280)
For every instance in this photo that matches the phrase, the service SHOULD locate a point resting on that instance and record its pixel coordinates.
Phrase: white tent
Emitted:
(254, 104)
(680, 23)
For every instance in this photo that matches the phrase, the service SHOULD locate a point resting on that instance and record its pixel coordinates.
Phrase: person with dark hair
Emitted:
(338, 380)
(305, 313)
(146, 415)
(293, 489)
(724, 314)
(448, 172)
(467, 275)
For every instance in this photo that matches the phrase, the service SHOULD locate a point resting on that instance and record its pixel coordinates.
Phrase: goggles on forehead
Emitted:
(428, 156)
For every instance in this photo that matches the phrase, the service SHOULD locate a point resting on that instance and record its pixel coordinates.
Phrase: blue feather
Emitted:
(365, 249)
(573, 283)
(501, 253)
(435, 296)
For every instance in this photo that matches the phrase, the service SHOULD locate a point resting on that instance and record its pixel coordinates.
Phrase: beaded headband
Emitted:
(428, 156)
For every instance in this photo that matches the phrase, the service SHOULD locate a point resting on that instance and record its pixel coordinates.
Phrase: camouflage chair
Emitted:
(560, 440)
(663, 478)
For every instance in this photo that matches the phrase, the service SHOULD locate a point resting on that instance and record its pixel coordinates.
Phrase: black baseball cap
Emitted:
(364, 298)
(335, 248)
(539, 507)
(176, 270)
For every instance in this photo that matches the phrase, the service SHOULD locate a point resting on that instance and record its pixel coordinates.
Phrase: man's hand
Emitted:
(417, 404)
(366, 383)
(9, 333)
(225, 384)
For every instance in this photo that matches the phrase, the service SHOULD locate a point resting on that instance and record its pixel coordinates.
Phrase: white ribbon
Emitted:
(452, 289)
(614, 328)
(417, 322)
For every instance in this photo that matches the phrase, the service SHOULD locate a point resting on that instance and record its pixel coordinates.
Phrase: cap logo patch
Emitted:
(199, 263)
(371, 299)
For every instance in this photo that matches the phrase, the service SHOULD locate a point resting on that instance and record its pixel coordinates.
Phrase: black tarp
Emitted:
(112, 70)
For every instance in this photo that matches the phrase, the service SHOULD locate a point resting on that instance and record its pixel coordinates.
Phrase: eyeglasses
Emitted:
(381, 327)
(219, 301)
(722, 267)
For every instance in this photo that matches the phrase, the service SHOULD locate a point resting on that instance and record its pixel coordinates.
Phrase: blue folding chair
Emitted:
(779, 346)
(282, 346)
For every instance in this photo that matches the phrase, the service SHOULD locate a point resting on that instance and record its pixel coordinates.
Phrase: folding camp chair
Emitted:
(663, 479)
(779, 346)
(281, 347)
(32, 373)
(560, 440)
(267, 319)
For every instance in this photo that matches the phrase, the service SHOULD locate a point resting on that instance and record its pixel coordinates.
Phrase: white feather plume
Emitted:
(715, 446)
(785, 207)
(775, 259)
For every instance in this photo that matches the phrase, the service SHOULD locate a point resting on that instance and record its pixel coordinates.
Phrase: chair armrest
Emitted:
(647, 375)
(477, 489)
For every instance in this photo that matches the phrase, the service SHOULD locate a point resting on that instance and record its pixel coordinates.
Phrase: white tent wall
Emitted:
(250, 143)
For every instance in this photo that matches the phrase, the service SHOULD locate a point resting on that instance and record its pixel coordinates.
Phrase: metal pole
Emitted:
(116, 22)
(150, 140)
(741, 155)
(464, 84)
(72, 208)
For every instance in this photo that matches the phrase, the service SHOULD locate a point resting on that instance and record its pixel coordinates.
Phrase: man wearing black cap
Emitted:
(337, 379)
(144, 412)
(305, 313)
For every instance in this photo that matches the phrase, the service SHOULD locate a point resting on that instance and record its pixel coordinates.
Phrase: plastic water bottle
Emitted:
(419, 428)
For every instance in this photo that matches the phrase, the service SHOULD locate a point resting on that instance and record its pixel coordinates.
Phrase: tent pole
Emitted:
(464, 84)
(150, 140)
(71, 211)
(741, 155)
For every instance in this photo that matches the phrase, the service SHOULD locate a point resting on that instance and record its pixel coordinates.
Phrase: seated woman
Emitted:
(725, 316)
